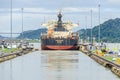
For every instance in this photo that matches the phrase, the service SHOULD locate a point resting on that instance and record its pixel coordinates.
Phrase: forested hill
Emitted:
(110, 31)
(32, 34)
(1, 37)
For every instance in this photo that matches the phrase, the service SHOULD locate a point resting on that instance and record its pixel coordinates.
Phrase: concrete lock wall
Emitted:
(112, 66)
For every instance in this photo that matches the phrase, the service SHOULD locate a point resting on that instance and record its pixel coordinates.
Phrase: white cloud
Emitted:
(47, 11)
(84, 9)
(40, 10)
(114, 1)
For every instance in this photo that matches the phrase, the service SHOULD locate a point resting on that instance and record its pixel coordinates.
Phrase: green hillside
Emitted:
(110, 31)
(32, 34)
(2, 37)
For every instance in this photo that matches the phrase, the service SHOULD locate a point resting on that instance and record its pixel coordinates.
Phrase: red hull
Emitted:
(59, 47)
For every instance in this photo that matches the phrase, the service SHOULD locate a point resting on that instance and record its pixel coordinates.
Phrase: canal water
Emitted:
(54, 65)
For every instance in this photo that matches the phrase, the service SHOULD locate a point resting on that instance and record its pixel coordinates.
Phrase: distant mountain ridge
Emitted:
(32, 34)
(2, 37)
(110, 31)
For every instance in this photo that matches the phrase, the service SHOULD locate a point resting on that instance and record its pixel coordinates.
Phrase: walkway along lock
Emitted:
(115, 68)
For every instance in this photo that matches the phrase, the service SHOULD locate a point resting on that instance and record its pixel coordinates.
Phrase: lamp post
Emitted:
(91, 28)
(99, 25)
(11, 39)
(86, 28)
(11, 23)
(22, 23)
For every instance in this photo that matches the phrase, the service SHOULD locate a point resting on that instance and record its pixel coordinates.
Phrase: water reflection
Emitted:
(60, 65)
(54, 65)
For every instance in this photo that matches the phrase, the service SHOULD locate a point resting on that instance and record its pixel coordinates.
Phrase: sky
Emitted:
(37, 12)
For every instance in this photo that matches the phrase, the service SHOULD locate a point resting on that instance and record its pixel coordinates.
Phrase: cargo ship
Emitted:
(59, 35)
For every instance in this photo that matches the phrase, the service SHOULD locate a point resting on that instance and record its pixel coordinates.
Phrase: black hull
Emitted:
(59, 44)
(52, 47)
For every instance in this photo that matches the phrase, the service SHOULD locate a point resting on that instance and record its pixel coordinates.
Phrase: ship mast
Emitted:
(60, 19)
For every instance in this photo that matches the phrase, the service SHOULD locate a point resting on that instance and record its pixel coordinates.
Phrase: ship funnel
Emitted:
(59, 16)
(59, 23)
